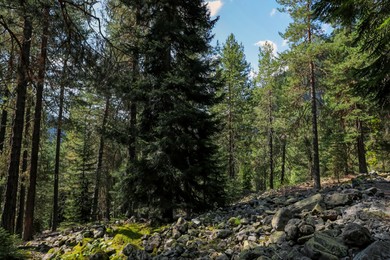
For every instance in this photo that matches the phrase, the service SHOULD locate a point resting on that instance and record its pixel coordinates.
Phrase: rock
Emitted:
(323, 246)
(277, 237)
(281, 218)
(128, 249)
(223, 233)
(306, 229)
(292, 230)
(307, 204)
(356, 235)
(337, 199)
(196, 221)
(181, 225)
(153, 242)
(376, 251)
(99, 256)
(99, 232)
(370, 191)
(318, 209)
(252, 253)
(329, 214)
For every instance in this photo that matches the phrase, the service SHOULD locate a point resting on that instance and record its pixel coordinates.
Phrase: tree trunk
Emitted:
(361, 148)
(4, 113)
(270, 142)
(22, 195)
(315, 152)
(58, 148)
(8, 216)
(284, 144)
(232, 172)
(100, 161)
(30, 201)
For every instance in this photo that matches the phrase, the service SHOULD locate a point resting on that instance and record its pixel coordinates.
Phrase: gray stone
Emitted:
(99, 256)
(379, 250)
(128, 249)
(292, 230)
(223, 233)
(277, 237)
(356, 235)
(330, 214)
(306, 229)
(99, 232)
(371, 191)
(307, 204)
(337, 199)
(323, 246)
(281, 218)
(181, 225)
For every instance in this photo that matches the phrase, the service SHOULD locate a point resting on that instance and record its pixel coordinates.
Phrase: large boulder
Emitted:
(338, 199)
(376, 251)
(356, 235)
(306, 204)
(280, 219)
(324, 246)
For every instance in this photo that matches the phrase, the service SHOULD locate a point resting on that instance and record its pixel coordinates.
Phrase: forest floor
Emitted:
(346, 219)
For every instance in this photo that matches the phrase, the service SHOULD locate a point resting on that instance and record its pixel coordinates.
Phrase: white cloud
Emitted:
(285, 43)
(274, 46)
(214, 7)
(273, 12)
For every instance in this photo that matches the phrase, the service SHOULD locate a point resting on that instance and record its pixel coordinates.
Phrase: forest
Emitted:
(119, 108)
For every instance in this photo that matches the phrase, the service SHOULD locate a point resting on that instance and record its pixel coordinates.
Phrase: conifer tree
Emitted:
(177, 167)
(234, 72)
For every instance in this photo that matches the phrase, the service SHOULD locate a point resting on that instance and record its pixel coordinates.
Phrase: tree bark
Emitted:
(284, 144)
(8, 216)
(58, 148)
(22, 195)
(270, 142)
(315, 152)
(4, 113)
(361, 148)
(100, 161)
(30, 201)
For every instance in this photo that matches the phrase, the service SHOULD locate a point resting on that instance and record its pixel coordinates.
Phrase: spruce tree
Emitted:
(177, 168)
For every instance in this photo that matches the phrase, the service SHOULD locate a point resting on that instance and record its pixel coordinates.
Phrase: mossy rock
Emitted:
(323, 246)
(233, 221)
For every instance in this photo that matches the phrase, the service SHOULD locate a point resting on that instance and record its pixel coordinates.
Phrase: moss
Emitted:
(122, 235)
(234, 221)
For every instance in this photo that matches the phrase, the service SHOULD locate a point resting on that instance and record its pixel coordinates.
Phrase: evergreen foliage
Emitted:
(8, 249)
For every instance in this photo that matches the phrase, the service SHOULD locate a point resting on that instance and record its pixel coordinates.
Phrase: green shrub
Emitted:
(8, 249)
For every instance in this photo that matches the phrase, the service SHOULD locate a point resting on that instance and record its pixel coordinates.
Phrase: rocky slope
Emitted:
(348, 221)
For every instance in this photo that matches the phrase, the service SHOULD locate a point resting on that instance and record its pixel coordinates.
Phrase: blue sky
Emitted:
(252, 22)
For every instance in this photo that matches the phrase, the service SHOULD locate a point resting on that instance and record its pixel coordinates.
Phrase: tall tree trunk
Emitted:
(100, 161)
(232, 172)
(30, 201)
(316, 157)
(270, 142)
(284, 144)
(360, 147)
(22, 195)
(4, 113)
(58, 148)
(8, 216)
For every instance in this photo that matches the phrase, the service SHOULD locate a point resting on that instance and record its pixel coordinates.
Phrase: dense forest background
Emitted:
(123, 107)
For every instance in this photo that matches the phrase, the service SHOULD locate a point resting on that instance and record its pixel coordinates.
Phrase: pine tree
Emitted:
(302, 34)
(232, 110)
